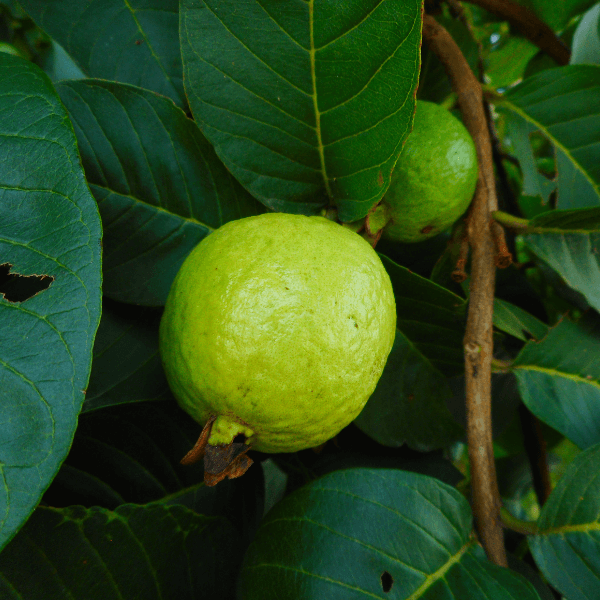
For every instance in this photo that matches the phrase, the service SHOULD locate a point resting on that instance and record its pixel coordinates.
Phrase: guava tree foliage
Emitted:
(131, 130)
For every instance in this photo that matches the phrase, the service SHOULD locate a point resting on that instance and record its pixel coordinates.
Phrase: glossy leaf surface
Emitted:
(312, 111)
(559, 379)
(50, 238)
(564, 104)
(131, 41)
(401, 536)
(569, 242)
(159, 184)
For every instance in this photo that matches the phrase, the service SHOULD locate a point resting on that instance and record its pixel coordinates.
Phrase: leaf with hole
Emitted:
(373, 533)
(50, 301)
(314, 110)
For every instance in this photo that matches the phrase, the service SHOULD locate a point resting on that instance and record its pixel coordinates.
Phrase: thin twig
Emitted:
(478, 340)
(530, 25)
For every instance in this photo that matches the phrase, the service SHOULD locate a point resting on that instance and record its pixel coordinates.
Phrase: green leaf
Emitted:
(506, 64)
(516, 321)
(430, 316)
(564, 104)
(314, 110)
(401, 535)
(131, 41)
(408, 404)
(586, 39)
(151, 552)
(50, 236)
(559, 379)
(534, 183)
(126, 365)
(567, 545)
(159, 185)
(569, 242)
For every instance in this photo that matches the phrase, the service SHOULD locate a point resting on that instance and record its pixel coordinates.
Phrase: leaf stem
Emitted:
(514, 524)
(510, 221)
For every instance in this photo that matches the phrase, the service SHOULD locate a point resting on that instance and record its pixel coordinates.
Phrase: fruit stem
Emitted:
(510, 221)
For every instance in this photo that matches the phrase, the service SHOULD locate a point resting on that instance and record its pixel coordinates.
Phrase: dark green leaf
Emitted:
(567, 545)
(564, 104)
(159, 184)
(314, 109)
(569, 242)
(50, 237)
(150, 552)
(126, 365)
(430, 316)
(516, 321)
(559, 379)
(408, 404)
(132, 41)
(364, 533)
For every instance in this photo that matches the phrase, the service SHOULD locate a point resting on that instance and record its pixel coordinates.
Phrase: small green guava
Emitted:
(278, 327)
(434, 179)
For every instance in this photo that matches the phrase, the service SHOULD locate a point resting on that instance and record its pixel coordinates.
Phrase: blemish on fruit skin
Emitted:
(427, 229)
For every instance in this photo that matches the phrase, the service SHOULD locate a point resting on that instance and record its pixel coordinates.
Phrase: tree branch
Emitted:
(532, 27)
(478, 342)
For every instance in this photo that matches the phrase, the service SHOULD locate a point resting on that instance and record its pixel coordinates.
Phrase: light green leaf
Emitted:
(152, 552)
(314, 109)
(564, 104)
(50, 234)
(586, 39)
(158, 182)
(401, 535)
(131, 41)
(559, 379)
(569, 242)
(516, 321)
(567, 545)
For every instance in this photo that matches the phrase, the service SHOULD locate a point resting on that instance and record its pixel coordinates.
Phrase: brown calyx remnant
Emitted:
(228, 460)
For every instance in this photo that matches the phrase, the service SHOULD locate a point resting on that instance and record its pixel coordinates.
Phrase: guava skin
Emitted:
(280, 324)
(434, 179)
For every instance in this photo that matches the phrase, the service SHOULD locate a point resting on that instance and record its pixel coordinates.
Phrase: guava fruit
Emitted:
(434, 179)
(277, 328)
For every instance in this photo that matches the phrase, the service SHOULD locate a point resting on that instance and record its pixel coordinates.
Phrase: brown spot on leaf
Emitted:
(380, 179)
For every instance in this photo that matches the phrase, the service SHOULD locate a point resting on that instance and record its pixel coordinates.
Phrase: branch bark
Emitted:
(532, 27)
(478, 342)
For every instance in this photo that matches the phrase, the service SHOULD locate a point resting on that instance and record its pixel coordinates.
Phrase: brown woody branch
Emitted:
(532, 27)
(478, 342)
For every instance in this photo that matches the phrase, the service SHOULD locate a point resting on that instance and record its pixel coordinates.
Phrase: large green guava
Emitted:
(279, 326)
(434, 179)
